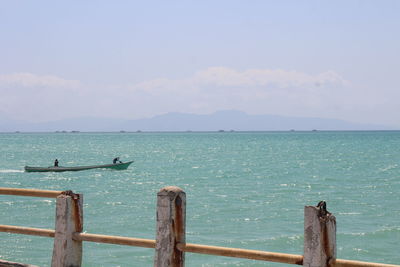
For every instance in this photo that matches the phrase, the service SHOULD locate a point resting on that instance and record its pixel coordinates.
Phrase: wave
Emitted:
(389, 167)
(377, 232)
(10, 171)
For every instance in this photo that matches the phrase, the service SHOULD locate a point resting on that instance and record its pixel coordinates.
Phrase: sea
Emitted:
(243, 189)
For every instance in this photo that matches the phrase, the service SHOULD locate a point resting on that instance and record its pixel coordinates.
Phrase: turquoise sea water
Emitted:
(244, 190)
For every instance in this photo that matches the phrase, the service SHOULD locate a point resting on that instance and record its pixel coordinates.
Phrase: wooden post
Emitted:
(69, 219)
(319, 236)
(171, 216)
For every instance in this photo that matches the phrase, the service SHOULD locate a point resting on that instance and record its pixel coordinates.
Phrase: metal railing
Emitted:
(170, 244)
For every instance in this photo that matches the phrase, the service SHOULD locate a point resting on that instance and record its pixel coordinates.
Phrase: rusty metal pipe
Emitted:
(29, 192)
(242, 253)
(350, 263)
(117, 240)
(26, 230)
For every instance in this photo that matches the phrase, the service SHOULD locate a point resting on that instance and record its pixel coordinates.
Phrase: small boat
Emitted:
(115, 166)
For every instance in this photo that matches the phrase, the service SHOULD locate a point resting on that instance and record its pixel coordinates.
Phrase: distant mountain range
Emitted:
(229, 120)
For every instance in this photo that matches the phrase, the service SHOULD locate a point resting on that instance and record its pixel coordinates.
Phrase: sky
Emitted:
(137, 59)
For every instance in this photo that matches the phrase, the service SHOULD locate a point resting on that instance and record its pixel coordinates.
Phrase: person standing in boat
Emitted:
(56, 163)
(116, 160)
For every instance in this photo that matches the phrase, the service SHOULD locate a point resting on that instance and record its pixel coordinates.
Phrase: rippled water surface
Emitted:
(245, 190)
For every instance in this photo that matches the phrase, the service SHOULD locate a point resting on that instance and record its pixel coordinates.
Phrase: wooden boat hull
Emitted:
(116, 166)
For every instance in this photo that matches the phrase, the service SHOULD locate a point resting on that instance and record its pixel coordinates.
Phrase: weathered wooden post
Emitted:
(319, 236)
(69, 219)
(171, 217)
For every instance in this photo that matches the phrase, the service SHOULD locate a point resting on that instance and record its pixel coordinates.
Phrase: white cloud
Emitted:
(33, 80)
(225, 77)
(222, 76)
(254, 90)
(44, 97)
(257, 91)
(39, 97)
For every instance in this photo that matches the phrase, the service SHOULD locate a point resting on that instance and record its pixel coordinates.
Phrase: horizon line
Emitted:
(190, 131)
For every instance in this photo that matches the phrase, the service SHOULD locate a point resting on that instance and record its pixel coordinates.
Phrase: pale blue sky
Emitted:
(134, 59)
